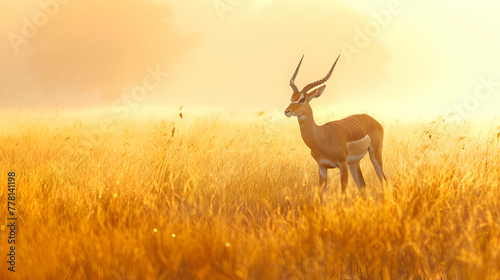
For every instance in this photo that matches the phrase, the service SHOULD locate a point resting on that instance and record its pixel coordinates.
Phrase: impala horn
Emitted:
(319, 82)
(292, 81)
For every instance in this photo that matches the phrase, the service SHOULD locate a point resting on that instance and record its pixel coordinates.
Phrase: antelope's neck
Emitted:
(309, 129)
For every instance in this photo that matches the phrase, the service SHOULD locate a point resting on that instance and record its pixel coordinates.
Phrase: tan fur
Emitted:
(329, 143)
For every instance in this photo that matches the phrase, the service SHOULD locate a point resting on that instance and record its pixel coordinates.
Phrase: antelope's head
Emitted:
(300, 99)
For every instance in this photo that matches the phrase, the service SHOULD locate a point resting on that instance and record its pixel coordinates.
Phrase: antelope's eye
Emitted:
(302, 100)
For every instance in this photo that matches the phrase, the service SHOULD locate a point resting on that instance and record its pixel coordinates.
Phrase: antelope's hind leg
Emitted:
(356, 174)
(376, 159)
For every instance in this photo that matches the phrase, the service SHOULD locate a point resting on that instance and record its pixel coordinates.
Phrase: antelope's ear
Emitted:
(317, 92)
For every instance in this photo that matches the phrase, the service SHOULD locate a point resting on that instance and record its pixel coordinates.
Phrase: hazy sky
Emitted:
(399, 59)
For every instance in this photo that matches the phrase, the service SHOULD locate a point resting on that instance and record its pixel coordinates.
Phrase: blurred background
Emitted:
(399, 59)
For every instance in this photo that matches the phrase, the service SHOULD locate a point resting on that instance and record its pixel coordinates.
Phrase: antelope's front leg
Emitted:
(323, 180)
(344, 175)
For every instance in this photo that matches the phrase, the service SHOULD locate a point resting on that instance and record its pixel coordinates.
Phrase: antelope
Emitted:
(336, 144)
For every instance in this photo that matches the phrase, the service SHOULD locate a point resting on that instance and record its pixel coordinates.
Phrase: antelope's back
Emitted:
(356, 127)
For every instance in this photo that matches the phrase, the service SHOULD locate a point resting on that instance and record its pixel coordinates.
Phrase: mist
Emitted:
(398, 58)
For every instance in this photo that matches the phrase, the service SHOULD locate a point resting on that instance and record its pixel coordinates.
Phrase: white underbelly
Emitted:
(328, 163)
(358, 149)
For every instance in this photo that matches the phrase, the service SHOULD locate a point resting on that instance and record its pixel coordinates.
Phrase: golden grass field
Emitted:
(229, 196)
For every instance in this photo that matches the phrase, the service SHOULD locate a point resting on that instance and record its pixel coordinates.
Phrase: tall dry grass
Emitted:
(230, 197)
